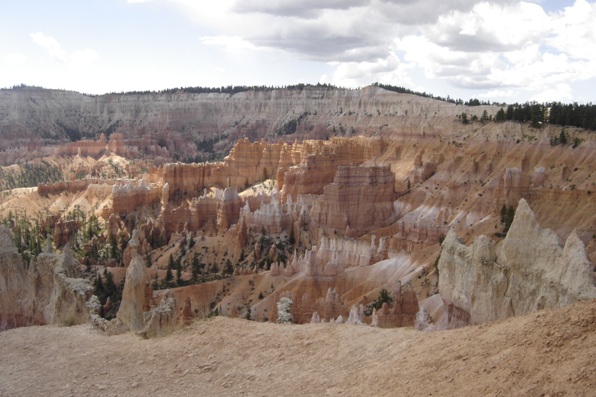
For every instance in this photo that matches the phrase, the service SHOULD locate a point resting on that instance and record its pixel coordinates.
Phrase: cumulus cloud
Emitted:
(490, 27)
(508, 48)
(303, 8)
(229, 42)
(322, 30)
(50, 44)
(354, 74)
(78, 58)
(503, 47)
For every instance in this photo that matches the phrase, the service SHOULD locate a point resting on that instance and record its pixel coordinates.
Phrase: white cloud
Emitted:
(357, 74)
(78, 58)
(229, 42)
(300, 8)
(506, 49)
(499, 94)
(575, 32)
(560, 92)
(50, 44)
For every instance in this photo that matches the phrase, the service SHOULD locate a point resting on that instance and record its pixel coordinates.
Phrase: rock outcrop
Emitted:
(360, 199)
(136, 295)
(16, 295)
(528, 271)
(161, 319)
(403, 312)
(166, 123)
(47, 292)
(131, 195)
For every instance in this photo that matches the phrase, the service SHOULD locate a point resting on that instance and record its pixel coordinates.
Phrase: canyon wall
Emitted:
(359, 200)
(186, 123)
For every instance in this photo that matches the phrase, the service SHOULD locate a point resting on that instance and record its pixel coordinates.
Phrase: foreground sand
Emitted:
(550, 353)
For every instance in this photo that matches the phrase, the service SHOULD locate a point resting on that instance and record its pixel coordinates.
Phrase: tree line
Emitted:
(576, 115)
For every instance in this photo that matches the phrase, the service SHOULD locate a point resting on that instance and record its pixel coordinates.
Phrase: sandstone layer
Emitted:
(328, 223)
(161, 124)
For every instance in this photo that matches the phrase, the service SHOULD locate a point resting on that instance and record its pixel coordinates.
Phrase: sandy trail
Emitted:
(550, 353)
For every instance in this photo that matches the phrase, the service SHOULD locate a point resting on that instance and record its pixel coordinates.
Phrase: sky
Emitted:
(504, 51)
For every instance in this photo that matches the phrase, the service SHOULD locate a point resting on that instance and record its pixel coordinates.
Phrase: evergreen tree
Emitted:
(509, 218)
(100, 291)
(383, 297)
(179, 276)
(503, 213)
(169, 276)
(509, 114)
(229, 269)
(110, 286)
(464, 118)
(195, 269)
(563, 137)
(291, 239)
(500, 116)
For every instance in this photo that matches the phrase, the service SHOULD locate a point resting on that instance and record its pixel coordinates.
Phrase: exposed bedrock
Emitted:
(359, 200)
(527, 271)
(46, 292)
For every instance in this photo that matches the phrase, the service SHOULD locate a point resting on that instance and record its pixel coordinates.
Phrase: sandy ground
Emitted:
(550, 353)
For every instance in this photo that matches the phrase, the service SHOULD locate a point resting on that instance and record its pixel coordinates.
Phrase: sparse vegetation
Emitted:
(29, 175)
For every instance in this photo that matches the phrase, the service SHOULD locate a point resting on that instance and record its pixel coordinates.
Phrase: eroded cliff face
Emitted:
(47, 292)
(360, 199)
(193, 125)
(327, 223)
(527, 271)
(16, 307)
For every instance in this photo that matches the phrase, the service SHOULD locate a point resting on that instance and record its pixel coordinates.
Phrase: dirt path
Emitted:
(550, 353)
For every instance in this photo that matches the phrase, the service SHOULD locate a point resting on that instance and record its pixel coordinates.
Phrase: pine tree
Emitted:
(195, 269)
(503, 213)
(509, 218)
(169, 276)
(464, 118)
(563, 137)
(500, 116)
(179, 276)
(100, 291)
(291, 239)
(110, 286)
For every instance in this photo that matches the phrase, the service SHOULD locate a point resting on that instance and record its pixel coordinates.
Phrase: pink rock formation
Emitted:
(403, 313)
(130, 196)
(360, 198)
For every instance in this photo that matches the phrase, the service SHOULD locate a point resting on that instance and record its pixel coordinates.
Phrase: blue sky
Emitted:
(498, 50)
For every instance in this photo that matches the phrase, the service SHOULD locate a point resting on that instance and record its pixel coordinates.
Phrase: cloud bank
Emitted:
(502, 47)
